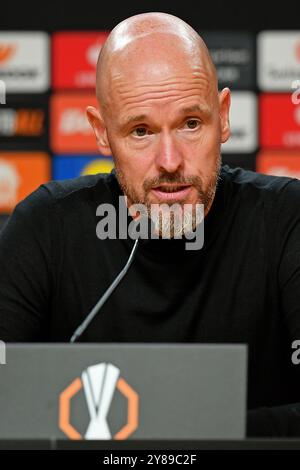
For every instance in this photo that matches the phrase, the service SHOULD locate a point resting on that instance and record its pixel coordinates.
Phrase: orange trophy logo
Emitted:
(99, 383)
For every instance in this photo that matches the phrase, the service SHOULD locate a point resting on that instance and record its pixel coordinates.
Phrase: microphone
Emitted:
(82, 327)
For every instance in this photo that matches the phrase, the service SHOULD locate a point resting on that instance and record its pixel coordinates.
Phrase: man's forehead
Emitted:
(155, 84)
(165, 68)
(158, 78)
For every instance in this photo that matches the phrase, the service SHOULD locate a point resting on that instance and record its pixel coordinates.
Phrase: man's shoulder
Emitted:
(275, 198)
(261, 185)
(89, 187)
(61, 189)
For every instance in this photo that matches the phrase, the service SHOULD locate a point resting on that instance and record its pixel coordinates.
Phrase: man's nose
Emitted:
(168, 156)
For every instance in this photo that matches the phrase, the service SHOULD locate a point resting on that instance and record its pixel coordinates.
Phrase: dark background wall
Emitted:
(209, 14)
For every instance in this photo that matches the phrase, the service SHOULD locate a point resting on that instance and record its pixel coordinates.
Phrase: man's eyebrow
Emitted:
(197, 108)
(186, 110)
(133, 119)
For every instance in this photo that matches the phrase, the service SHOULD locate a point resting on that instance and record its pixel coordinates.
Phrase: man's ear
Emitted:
(224, 104)
(96, 121)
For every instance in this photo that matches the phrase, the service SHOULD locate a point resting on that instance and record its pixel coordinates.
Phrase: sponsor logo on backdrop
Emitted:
(70, 129)
(66, 166)
(243, 123)
(278, 59)
(73, 120)
(233, 54)
(99, 383)
(20, 174)
(279, 163)
(100, 165)
(78, 70)
(24, 123)
(279, 121)
(21, 122)
(24, 61)
(6, 52)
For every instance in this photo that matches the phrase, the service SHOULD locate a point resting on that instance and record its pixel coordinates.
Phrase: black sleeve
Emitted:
(284, 421)
(25, 270)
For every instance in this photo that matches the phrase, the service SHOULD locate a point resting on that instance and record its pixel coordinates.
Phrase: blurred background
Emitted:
(48, 54)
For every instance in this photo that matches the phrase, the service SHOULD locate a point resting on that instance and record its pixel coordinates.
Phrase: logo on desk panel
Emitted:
(99, 383)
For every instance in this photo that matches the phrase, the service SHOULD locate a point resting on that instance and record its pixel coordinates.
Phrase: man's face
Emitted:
(164, 130)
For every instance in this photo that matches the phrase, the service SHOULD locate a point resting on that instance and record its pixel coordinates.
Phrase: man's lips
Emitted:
(171, 191)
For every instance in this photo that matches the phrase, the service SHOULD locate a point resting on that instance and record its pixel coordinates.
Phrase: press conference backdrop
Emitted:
(48, 79)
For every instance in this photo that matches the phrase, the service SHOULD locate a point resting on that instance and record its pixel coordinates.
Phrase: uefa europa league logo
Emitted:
(99, 383)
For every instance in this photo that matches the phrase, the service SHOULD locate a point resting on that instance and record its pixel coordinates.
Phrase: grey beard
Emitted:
(175, 224)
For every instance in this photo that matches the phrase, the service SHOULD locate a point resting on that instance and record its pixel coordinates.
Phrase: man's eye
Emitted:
(192, 123)
(140, 131)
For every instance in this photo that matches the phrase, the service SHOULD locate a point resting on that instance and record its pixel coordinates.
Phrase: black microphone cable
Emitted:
(82, 327)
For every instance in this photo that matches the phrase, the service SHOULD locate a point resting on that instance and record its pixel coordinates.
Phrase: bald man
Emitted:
(159, 107)
(161, 115)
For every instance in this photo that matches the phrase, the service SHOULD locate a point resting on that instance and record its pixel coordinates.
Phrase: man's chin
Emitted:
(175, 222)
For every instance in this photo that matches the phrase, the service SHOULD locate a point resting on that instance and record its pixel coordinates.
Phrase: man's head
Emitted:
(160, 113)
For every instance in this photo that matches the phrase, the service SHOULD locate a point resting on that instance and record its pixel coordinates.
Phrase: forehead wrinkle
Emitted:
(203, 108)
(126, 91)
(160, 94)
(126, 87)
(137, 101)
(198, 108)
(145, 97)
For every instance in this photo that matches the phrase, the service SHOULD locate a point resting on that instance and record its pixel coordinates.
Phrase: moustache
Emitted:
(172, 179)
